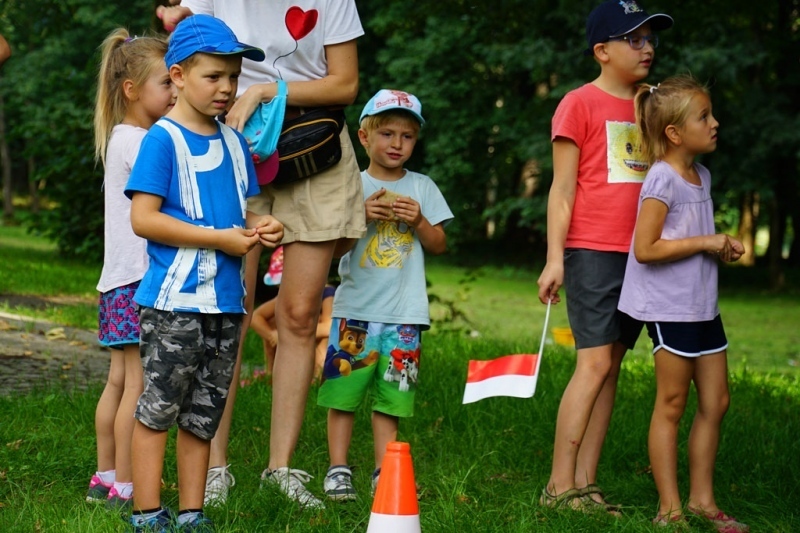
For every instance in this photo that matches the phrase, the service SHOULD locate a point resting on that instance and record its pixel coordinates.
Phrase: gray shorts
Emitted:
(188, 361)
(593, 281)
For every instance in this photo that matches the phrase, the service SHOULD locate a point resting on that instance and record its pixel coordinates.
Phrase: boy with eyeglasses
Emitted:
(598, 170)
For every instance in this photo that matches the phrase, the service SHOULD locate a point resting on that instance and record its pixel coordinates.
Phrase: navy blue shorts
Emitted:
(688, 339)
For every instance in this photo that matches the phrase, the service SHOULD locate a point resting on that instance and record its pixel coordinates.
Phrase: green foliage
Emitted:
(489, 75)
(49, 88)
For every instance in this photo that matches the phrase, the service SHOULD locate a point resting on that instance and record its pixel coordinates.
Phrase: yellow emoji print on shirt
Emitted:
(626, 163)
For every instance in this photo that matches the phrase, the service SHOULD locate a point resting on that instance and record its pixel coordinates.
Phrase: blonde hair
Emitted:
(662, 105)
(371, 123)
(122, 58)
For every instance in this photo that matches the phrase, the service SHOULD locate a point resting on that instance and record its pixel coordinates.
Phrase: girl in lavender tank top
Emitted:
(671, 285)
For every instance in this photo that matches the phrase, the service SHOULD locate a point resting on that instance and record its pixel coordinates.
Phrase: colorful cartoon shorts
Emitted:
(371, 357)
(118, 320)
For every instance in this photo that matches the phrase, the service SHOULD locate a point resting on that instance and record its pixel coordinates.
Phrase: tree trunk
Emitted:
(776, 223)
(33, 186)
(5, 158)
(747, 227)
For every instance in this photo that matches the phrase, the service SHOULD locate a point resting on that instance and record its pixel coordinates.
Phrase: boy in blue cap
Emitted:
(598, 170)
(381, 306)
(189, 189)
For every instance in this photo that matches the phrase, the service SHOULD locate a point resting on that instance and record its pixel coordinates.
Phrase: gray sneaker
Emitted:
(376, 475)
(218, 481)
(292, 482)
(338, 484)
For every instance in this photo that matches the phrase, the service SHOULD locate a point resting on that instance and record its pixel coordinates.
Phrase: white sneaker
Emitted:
(218, 481)
(338, 484)
(292, 483)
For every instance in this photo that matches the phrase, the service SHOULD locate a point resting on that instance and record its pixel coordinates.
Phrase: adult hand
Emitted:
(171, 15)
(243, 107)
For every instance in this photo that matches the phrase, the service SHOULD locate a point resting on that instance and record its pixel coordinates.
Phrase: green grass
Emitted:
(481, 466)
(30, 266)
(502, 303)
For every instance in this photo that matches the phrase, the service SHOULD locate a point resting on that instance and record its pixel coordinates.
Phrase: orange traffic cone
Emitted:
(395, 508)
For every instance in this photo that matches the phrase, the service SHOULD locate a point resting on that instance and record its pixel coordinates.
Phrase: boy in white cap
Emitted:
(381, 306)
(598, 170)
(189, 189)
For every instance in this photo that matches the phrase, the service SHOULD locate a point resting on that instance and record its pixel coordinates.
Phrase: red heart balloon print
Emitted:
(299, 22)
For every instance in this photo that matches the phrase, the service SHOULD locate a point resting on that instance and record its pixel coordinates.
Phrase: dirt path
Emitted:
(36, 354)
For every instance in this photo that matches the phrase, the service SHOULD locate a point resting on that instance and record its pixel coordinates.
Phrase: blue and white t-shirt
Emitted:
(383, 276)
(204, 180)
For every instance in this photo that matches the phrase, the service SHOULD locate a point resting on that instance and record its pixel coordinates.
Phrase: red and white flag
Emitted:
(511, 375)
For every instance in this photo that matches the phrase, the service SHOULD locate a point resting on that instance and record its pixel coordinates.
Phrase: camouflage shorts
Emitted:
(188, 361)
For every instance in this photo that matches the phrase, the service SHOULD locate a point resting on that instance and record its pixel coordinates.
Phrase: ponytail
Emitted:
(662, 105)
(122, 58)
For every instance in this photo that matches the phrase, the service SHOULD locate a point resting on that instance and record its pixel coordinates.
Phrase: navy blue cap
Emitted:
(616, 18)
(356, 325)
(209, 35)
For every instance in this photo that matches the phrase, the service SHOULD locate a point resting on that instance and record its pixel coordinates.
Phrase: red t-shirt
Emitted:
(611, 168)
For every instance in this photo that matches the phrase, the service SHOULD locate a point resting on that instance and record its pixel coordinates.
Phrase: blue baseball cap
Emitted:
(388, 99)
(208, 35)
(616, 18)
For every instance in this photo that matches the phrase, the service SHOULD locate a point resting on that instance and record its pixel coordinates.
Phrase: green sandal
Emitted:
(561, 501)
(592, 489)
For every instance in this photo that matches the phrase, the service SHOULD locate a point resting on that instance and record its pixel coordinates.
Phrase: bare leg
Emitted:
(219, 444)
(711, 380)
(147, 457)
(593, 439)
(305, 271)
(340, 431)
(106, 412)
(591, 371)
(673, 379)
(124, 421)
(384, 431)
(263, 323)
(192, 452)
(319, 357)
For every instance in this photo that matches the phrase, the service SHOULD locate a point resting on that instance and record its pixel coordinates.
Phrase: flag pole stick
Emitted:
(544, 336)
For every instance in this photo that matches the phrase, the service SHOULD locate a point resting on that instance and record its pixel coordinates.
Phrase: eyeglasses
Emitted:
(637, 41)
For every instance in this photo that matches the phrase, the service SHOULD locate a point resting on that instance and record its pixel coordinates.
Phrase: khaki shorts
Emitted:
(324, 207)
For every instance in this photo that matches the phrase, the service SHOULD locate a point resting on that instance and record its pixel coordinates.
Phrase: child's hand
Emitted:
(550, 281)
(718, 245)
(272, 338)
(407, 209)
(377, 209)
(237, 241)
(737, 250)
(269, 230)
